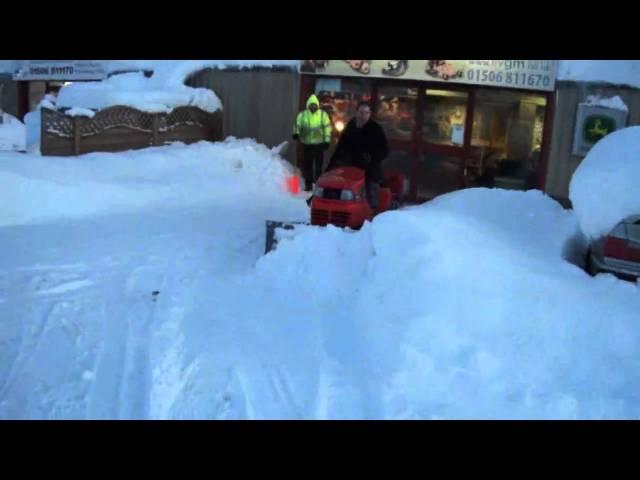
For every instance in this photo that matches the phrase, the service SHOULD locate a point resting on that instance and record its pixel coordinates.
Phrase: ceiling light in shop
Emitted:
(446, 93)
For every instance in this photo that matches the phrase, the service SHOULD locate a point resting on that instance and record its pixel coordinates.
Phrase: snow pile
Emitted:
(616, 72)
(153, 94)
(33, 126)
(615, 103)
(149, 297)
(13, 133)
(604, 188)
(464, 307)
(162, 92)
(38, 189)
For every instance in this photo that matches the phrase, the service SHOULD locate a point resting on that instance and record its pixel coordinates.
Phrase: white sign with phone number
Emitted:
(60, 70)
(521, 74)
(526, 74)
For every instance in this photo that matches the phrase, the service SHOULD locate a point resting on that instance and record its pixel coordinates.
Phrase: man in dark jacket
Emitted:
(363, 144)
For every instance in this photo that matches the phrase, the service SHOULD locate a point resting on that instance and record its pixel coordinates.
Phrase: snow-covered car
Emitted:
(618, 252)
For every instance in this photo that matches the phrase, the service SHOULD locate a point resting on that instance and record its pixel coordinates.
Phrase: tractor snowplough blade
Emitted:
(272, 239)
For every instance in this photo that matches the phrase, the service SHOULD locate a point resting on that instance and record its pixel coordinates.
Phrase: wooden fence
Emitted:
(120, 128)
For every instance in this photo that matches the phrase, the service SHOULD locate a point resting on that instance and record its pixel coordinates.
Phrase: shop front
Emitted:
(451, 124)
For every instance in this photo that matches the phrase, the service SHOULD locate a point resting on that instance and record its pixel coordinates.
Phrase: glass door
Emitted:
(397, 114)
(507, 138)
(441, 140)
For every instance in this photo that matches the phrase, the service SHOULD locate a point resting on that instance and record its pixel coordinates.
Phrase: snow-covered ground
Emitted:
(133, 285)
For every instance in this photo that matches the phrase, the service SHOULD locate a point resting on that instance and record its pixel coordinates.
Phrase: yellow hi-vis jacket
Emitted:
(313, 128)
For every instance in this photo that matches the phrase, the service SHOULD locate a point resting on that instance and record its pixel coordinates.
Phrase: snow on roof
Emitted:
(183, 68)
(161, 92)
(609, 102)
(164, 90)
(7, 66)
(615, 72)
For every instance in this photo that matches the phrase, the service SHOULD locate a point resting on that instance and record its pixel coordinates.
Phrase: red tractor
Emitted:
(339, 199)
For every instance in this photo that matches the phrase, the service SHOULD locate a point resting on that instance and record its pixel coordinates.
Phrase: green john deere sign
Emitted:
(593, 123)
(595, 127)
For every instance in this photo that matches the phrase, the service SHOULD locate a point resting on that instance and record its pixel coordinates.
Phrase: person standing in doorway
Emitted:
(313, 130)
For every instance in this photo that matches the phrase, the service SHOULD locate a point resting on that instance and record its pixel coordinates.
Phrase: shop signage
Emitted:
(594, 123)
(522, 74)
(60, 70)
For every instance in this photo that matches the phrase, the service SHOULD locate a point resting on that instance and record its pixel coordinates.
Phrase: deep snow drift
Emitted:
(134, 286)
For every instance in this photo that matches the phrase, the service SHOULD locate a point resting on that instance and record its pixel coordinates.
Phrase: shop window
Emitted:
(396, 111)
(340, 97)
(444, 116)
(507, 137)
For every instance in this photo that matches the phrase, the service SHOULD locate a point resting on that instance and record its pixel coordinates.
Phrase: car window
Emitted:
(619, 231)
(633, 232)
(632, 219)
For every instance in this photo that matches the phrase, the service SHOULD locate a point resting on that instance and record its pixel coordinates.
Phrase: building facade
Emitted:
(451, 124)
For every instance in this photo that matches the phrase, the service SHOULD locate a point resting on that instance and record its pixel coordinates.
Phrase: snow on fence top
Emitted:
(163, 91)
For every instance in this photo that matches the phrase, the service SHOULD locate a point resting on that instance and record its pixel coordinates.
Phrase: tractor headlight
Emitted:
(347, 195)
(318, 192)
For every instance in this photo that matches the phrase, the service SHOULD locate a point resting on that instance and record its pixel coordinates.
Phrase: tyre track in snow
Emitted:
(48, 311)
(212, 271)
(114, 378)
(123, 366)
(282, 386)
(136, 372)
(345, 378)
(267, 393)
